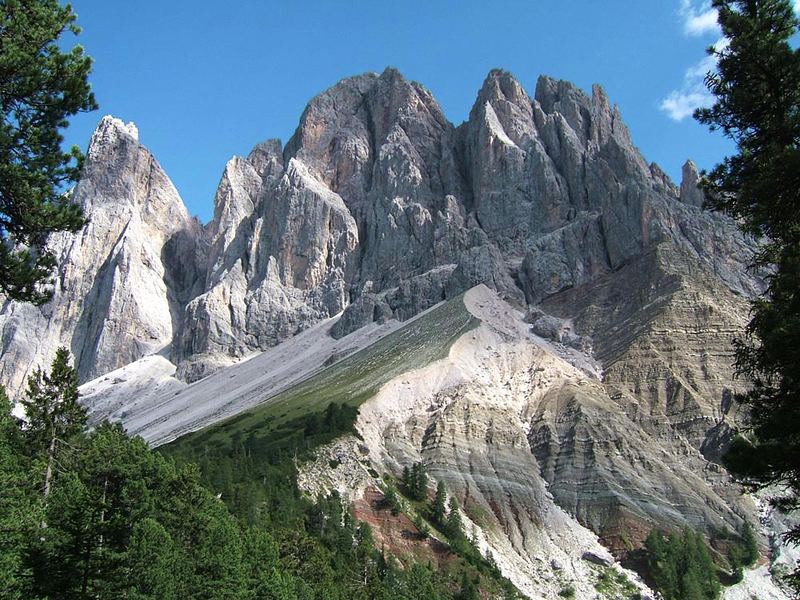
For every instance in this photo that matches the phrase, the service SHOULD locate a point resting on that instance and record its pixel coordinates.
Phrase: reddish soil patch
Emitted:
(624, 533)
(396, 534)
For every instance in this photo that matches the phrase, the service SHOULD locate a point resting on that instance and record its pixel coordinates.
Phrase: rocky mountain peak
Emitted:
(123, 279)
(553, 94)
(505, 107)
(396, 101)
(267, 158)
(108, 130)
(592, 118)
(501, 85)
(690, 192)
(377, 207)
(120, 171)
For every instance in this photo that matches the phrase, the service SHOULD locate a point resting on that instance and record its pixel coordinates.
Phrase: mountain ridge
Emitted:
(379, 206)
(379, 209)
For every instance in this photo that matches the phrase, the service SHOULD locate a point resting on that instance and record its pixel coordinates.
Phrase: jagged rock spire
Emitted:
(377, 206)
(123, 279)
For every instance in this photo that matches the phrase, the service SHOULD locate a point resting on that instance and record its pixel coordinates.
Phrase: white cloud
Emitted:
(681, 103)
(699, 18)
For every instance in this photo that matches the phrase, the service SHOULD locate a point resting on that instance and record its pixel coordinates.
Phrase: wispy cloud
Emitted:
(692, 94)
(699, 18)
(680, 104)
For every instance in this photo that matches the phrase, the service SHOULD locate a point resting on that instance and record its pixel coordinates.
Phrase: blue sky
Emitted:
(204, 81)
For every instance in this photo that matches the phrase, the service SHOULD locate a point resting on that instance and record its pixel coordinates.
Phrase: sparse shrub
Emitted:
(391, 501)
(422, 527)
(568, 591)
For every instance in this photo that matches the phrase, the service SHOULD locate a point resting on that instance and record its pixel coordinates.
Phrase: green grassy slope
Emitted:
(251, 459)
(348, 382)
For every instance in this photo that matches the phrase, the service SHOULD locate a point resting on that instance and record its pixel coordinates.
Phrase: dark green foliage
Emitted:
(749, 545)
(757, 93)
(414, 483)
(469, 590)
(118, 509)
(54, 415)
(422, 527)
(419, 582)
(152, 556)
(742, 552)
(51, 404)
(453, 526)
(19, 509)
(123, 521)
(391, 501)
(681, 566)
(437, 508)
(40, 87)
(756, 90)
(255, 472)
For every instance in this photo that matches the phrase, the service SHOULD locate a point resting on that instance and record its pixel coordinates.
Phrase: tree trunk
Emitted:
(102, 521)
(48, 472)
(48, 475)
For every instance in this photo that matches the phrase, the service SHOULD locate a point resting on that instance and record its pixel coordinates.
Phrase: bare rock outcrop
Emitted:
(690, 192)
(282, 246)
(122, 281)
(538, 451)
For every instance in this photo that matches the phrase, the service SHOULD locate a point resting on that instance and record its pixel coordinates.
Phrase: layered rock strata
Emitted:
(378, 208)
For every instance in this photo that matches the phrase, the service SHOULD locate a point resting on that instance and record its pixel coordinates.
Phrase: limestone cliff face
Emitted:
(282, 244)
(531, 196)
(378, 208)
(123, 280)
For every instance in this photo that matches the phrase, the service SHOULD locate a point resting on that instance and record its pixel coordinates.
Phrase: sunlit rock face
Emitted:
(123, 280)
(378, 208)
(400, 209)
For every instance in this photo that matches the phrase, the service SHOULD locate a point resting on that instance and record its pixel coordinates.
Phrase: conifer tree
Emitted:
(391, 500)
(405, 480)
(468, 591)
(41, 85)
(53, 413)
(438, 505)
(418, 481)
(681, 566)
(454, 525)
(17, 506)
(756, 88)
(151, 559)
(749, 544)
